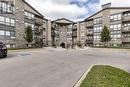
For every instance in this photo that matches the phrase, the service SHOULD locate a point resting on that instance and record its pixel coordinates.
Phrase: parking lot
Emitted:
(56, 67)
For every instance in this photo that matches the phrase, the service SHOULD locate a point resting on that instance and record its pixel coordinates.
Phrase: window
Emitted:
(119, 16)
(98, 29)
(116, 37)
(2, 20)
(2, 33)
(127, 25)
(116, 17)
(111, 17)
(6, 7)
(119, 36)
(97, 38)
(69, 26)
(7, 33)
(7, 21)
(127, 14)
(32, 25)
(26, 14)
(69, 33)
(126, 35)
(82, 34)
(98, 20)
(13, 45)
(29, 15)
(12, 34)
(12, 22)
(115, 27)
(8, 45)
(82, 30)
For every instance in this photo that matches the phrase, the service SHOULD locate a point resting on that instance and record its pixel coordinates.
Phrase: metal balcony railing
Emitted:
(126, 40)
(126, 18)
(126, 29)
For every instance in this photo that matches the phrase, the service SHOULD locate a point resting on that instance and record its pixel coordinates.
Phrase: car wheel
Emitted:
(5, 55)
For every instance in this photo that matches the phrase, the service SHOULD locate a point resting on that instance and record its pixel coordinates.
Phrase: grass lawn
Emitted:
(22, 49)
(106, 76)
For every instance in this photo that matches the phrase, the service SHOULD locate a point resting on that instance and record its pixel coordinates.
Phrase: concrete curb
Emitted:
(83, 77)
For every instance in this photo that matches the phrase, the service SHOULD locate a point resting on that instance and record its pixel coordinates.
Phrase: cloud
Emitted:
(54, 9)
(114, 3)
(73, 9)
(95, 7)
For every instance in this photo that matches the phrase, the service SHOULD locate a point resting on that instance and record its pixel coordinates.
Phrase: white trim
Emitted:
(83, 77)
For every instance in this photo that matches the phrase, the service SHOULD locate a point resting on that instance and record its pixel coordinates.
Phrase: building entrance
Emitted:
(62, 45)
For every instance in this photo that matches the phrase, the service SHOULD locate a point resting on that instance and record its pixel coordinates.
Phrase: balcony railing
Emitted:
(126, 40)
(44, 25)
(89, 41)
(38, 21)
(126, 18)
(118, 40)
(98, 22)
(89, 33)
(90, 24)
(126, 29)
(74, 34)
(75, 27)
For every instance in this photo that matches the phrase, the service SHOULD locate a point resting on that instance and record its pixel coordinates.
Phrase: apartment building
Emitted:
(81, 33)
(15, 16)
(45, 29)
(117, 19)
(62, 32)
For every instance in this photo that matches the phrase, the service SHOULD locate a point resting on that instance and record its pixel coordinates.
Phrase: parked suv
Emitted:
(3, 50)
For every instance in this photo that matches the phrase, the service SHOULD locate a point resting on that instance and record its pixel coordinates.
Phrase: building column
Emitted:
(49, 33)
(19, 27)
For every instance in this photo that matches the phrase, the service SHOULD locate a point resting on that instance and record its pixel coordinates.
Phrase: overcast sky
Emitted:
(72, 9)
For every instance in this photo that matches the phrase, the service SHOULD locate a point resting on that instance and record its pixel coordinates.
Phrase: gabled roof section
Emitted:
(105, 9)
(32, 8)
(64, 21)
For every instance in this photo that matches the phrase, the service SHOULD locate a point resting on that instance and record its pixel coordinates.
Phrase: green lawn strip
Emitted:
(106, 76)
(110, 47)
(22, 49)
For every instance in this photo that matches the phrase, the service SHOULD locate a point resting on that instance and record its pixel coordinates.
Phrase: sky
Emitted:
(75, 10)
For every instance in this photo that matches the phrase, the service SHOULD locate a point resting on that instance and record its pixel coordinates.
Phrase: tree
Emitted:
(28, 34)
(105, 35)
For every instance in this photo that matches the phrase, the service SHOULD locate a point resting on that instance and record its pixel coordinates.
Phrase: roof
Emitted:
(33, 8)
(45, 19)
(63, 19)
(105, 9)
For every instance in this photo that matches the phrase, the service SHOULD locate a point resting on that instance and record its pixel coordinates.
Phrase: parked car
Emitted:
(3, 50)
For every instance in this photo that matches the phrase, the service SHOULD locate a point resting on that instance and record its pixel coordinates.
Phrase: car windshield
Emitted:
(1, 45)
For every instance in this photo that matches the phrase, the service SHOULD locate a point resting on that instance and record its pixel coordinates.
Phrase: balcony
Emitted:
(126, 29)
(44, 25)
(88, 41)
(75, 27)
(74, 34)
(98, 22)
(38, 21)
(118, 40)
(126, 40)
(126, 18)
(89, 24)
(89, 33)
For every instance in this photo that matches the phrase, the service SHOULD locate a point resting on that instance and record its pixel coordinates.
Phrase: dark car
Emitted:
(3, 50)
